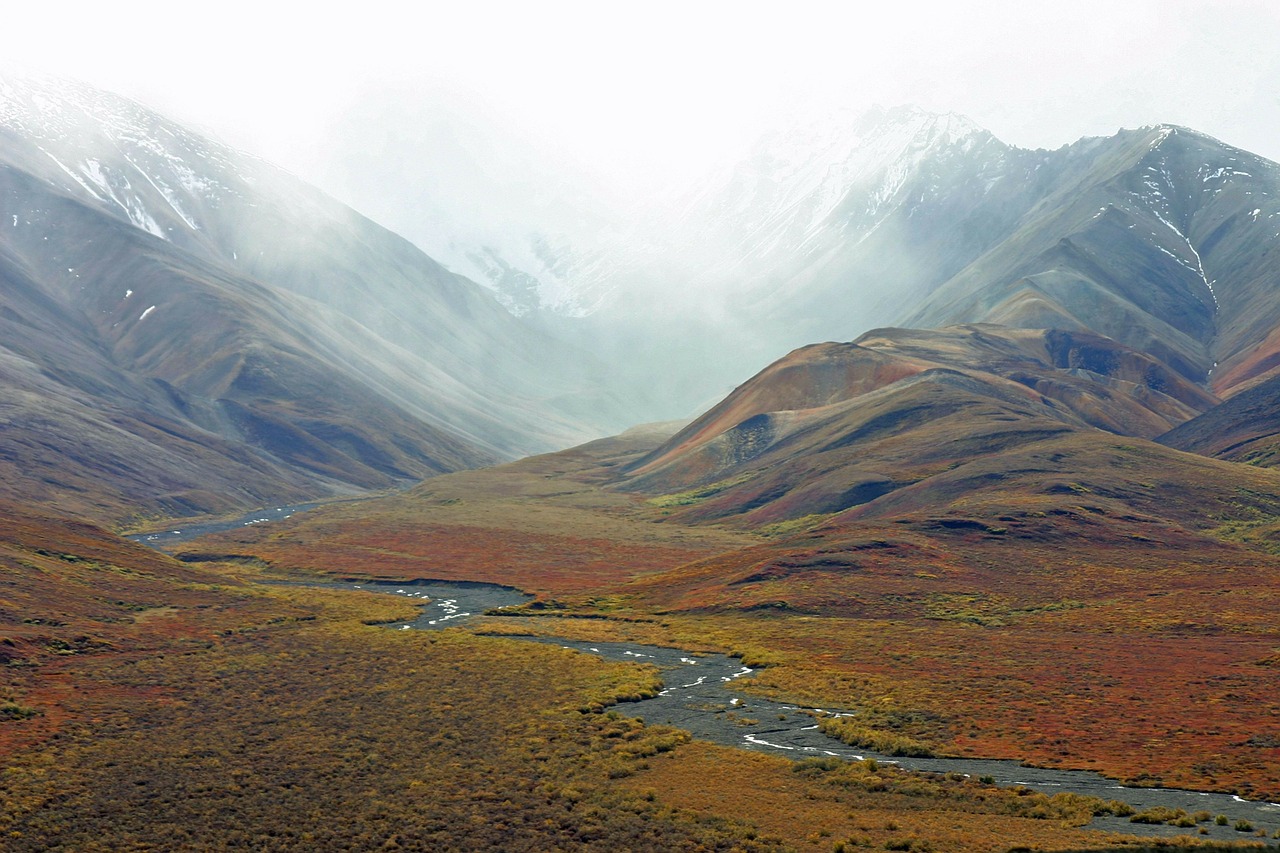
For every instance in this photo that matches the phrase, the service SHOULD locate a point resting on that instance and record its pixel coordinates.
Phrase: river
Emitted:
(162, 539)
(698, 695)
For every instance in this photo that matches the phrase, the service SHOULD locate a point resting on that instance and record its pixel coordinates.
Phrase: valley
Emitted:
(971, 445)
(913, 620)
(698, 696)
(800, 659)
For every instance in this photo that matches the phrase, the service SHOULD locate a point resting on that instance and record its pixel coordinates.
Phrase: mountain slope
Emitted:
(163, 294)
(1244, 428)
(1160, 240)
(822, 205)
(834, 223)
(172, 386)
(833, 426)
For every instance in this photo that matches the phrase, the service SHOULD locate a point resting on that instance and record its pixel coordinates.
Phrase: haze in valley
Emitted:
(608, 171)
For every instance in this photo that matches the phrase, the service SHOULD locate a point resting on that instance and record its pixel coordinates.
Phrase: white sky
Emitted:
(636, 89)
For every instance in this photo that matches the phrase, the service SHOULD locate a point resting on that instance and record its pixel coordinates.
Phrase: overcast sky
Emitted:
(637, 90)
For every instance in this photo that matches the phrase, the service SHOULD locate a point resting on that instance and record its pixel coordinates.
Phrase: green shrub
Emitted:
(1158, 814)
(887, 742)
(1119, 808)
(14, 711)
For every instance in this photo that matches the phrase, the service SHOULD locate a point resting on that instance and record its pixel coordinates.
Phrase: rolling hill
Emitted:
(833, 426)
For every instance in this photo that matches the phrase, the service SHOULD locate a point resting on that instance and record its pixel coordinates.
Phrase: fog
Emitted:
(638, 92)
(554, 151)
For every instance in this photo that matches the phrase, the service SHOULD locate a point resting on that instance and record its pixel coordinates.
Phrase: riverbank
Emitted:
(698, 696)
(697, 700)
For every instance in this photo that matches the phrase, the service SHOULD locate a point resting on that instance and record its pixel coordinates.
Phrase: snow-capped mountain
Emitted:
(186, 316)
(1157, 237)
(190, 290)
(900, 216)
(760, 214)
(800, 240)
(106, 149)
(482, 200)
(1162, 238)
(846, 169)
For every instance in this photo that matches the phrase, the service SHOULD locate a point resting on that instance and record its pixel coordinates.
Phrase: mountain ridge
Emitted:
(943, 223)
(197, 293)
(832, 425)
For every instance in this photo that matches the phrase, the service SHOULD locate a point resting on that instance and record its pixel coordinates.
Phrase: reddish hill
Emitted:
(834, 426)
(70, 593)
(57, 570)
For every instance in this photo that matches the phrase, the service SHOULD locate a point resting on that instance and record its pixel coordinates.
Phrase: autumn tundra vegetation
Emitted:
(1042, 524)
(170, 705)
(154, 698)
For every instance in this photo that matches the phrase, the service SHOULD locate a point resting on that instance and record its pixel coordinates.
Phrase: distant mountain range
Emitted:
(1159, 237)
(187, 329)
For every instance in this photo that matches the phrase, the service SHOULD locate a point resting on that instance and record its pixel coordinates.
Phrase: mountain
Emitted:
(1159, 238)
(1244, 428)
(991, 508)
(1162, 238)
(1076, 324)
(203, 330)
(459, 183)
(834, 426)
(188, 329)
(816, 205)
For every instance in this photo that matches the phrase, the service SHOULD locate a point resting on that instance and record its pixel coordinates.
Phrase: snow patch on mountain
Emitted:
(796, 179)
(836, 177)
(147, 168)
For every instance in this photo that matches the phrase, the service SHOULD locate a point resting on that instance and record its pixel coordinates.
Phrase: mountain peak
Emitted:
(951, 126)
(1160, 135)
(848, 136)
(54, 108)
(799, 173)
(115, 154)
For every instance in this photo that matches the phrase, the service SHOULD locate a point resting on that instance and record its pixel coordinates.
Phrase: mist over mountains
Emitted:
(974, 441)
(588, 427)
(178, 313)
(890, 217)
(189, 328)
